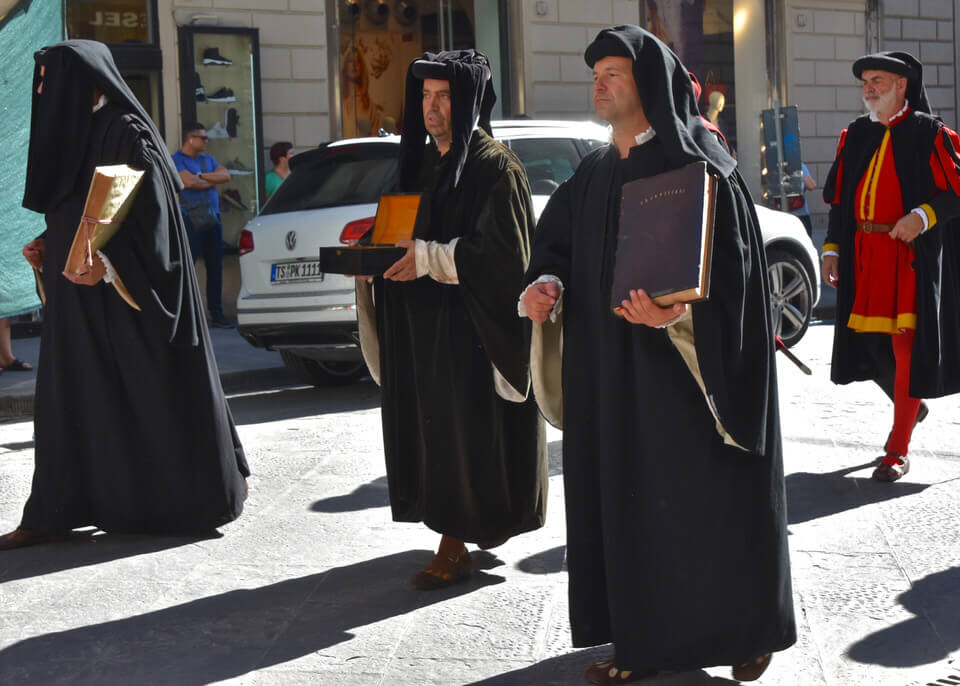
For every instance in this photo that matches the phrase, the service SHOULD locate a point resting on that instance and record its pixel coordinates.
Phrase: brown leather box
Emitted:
(396, 215)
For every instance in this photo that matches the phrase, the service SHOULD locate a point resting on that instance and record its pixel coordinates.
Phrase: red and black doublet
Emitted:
(887, 286)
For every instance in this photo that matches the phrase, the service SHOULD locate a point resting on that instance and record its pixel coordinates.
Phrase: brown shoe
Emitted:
(891, 468)
(444, 572)
(603, 673)
(20, 538)
(751, 671)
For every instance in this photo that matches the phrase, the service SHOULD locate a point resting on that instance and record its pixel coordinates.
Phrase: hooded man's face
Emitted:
(615, 96)
(883, 91)
(436, 111)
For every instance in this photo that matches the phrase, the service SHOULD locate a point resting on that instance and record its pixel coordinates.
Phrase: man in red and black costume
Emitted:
(890, 251)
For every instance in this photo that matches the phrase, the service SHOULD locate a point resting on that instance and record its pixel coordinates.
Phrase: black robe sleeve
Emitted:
(732, 330)
(491, 261)
(553, 236)
(831, 196)
(150, 251)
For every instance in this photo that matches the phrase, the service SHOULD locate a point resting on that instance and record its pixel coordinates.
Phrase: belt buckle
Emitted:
(867, 227)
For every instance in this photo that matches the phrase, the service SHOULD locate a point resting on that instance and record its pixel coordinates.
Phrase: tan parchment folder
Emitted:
(111, 194)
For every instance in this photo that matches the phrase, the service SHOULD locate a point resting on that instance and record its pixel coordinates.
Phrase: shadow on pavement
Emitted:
(935, 600)
(84, 549)
(290, 403)
(365, 496)
(567, 670)
(22, 445)
(546, 562)
(811, 496)
(228, 635)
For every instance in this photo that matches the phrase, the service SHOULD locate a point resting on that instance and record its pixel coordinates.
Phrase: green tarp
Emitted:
(26, 28)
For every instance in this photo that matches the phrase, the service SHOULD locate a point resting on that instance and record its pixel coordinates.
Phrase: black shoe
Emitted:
(222, 95)
(235, 166)
(232, 120)
(213, 56)
(232, 196)
(218, 321)
(198, 88)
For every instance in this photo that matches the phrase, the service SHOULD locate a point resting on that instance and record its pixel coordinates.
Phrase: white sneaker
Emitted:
(217, 131)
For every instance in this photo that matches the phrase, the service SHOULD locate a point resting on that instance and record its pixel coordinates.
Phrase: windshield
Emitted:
(336, 176)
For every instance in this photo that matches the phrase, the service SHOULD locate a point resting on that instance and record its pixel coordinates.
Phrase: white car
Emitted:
(286, 304)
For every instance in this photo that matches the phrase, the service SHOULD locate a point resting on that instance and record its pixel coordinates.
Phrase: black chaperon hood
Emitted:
(902, 64)
(472, 98)
(62, 118)
(667, 95)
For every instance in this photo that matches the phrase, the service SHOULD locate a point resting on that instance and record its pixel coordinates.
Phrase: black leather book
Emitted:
(665, 243)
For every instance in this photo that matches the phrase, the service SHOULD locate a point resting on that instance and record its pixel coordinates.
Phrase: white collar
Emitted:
(100, 103)
(647, 135)
(906, 104)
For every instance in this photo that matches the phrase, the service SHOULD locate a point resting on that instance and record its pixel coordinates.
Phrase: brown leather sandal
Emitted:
(444, 572)
(751, 671)
(891, 468)
(21, 538)
(603, 673)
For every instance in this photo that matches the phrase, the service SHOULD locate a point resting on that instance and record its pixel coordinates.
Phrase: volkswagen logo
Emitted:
(291, 240)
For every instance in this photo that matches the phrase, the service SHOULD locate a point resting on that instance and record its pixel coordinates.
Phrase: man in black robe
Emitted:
(464, 444)
(673, 474)
(891, 251)
(133, 434)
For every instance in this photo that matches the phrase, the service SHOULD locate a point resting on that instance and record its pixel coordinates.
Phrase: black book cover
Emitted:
(665, 244)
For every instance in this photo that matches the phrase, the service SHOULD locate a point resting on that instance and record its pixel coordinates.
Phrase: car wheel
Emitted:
(791, 296)
(323, 372)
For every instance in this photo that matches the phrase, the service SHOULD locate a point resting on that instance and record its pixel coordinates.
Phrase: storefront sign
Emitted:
(110, 21)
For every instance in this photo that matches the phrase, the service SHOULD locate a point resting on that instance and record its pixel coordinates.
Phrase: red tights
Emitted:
(905, 408)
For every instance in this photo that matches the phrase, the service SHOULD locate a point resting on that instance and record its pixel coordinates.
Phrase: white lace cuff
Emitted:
(436, 260)
(111, 274)
(545, 278)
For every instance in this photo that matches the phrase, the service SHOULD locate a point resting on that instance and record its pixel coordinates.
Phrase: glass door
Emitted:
(220, 88)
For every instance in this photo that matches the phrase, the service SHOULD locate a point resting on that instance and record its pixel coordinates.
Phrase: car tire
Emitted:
(323, 372)
(791, 296)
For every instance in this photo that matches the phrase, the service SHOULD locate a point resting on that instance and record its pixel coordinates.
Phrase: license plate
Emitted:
(287, 272)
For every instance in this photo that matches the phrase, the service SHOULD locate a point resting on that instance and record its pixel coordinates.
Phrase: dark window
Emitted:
(548, 161)
(328, 177)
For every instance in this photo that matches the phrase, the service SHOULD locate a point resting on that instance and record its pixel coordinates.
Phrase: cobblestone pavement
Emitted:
(310, 586)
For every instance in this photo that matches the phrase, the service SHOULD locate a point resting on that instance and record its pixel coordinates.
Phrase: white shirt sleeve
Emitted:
(436, 260)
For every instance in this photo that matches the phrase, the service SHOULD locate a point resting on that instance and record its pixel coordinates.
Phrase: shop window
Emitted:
(379, 39)
(701, 33)
(112, 21)
(128, 27)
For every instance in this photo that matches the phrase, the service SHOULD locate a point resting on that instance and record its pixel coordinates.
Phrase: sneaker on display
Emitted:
(217, 131)
(232, 196)
(213, 56)
(222, 95)
(198, 88)
(235, 166)
(232, 119)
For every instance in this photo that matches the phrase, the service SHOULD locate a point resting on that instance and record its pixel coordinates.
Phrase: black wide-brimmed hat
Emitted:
(901, 64)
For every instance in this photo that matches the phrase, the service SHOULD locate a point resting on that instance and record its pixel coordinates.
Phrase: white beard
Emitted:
(882, 103)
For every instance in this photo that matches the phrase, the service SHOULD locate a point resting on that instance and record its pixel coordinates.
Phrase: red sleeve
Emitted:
(944, 161)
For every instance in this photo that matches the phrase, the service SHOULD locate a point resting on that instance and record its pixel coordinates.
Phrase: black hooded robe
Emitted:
(133, 433)
(460, 458)
(935, 363)
(676, 541)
